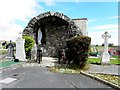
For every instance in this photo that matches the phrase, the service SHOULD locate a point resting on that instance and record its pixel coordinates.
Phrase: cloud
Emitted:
(105, 27)
(12, 10)
(17, 9)
(48, 2)
(113, 17)
(96, 38)
(9, 31)
(96, 33)
(83, 0)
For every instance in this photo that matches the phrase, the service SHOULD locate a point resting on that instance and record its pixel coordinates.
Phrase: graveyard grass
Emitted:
(98, 60)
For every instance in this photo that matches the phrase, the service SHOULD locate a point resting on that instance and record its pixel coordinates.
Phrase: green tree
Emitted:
(29, 43)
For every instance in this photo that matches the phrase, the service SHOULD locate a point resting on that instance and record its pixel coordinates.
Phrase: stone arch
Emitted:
(58, 19)
(29, 29)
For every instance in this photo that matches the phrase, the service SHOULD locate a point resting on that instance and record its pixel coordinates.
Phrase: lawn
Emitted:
(98, 60)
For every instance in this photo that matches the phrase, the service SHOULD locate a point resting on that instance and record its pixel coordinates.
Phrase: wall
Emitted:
(82, 25)
(54, 38)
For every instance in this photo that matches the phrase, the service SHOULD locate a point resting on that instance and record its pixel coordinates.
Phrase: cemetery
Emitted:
(54, 37)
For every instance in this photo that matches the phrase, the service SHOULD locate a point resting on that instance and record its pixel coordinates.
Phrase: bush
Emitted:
(78, 49)
(29, 43)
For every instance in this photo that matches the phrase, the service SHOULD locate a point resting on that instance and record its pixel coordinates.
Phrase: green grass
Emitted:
(98, 60)
(7, 63)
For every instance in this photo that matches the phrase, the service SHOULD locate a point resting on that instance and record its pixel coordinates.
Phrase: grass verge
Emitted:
(98, 60)
(110, 78)
(72, 69)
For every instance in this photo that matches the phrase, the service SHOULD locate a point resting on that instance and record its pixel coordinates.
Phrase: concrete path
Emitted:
(105, 69)
(38, 76)
(41, 77)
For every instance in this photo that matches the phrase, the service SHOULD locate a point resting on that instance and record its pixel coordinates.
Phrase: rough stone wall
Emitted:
(29, 29)
(54, 38)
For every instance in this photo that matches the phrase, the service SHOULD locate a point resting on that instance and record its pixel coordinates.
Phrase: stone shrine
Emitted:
(20, 51)
(56, 28)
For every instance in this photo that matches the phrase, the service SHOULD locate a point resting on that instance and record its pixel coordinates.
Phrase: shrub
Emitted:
(78, 49)
(29, 43)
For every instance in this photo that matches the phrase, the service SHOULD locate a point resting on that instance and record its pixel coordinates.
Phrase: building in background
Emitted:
(82, 24)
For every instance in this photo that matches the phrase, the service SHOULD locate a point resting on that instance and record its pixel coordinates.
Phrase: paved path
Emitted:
(41, 77)
(38, 76)
(105, 69)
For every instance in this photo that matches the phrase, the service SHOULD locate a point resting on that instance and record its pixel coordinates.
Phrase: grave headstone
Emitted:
(20, 50)
(106, 56)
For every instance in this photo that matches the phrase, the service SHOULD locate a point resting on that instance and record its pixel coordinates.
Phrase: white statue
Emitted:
(39, 36)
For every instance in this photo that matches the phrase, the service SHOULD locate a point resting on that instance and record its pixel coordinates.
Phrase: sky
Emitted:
(102, 16)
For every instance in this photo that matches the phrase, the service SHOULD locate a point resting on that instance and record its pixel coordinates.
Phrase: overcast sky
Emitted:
(102, 16)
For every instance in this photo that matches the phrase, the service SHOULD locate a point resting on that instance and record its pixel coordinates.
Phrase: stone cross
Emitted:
(106, 56)
(20, 35)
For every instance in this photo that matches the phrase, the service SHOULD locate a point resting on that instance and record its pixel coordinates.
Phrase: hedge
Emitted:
(29, 43)
(78, 50)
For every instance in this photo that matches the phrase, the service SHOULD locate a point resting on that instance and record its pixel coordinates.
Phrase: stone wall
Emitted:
(54, 38)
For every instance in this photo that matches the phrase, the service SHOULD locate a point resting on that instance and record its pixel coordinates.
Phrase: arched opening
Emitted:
(51, 30)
